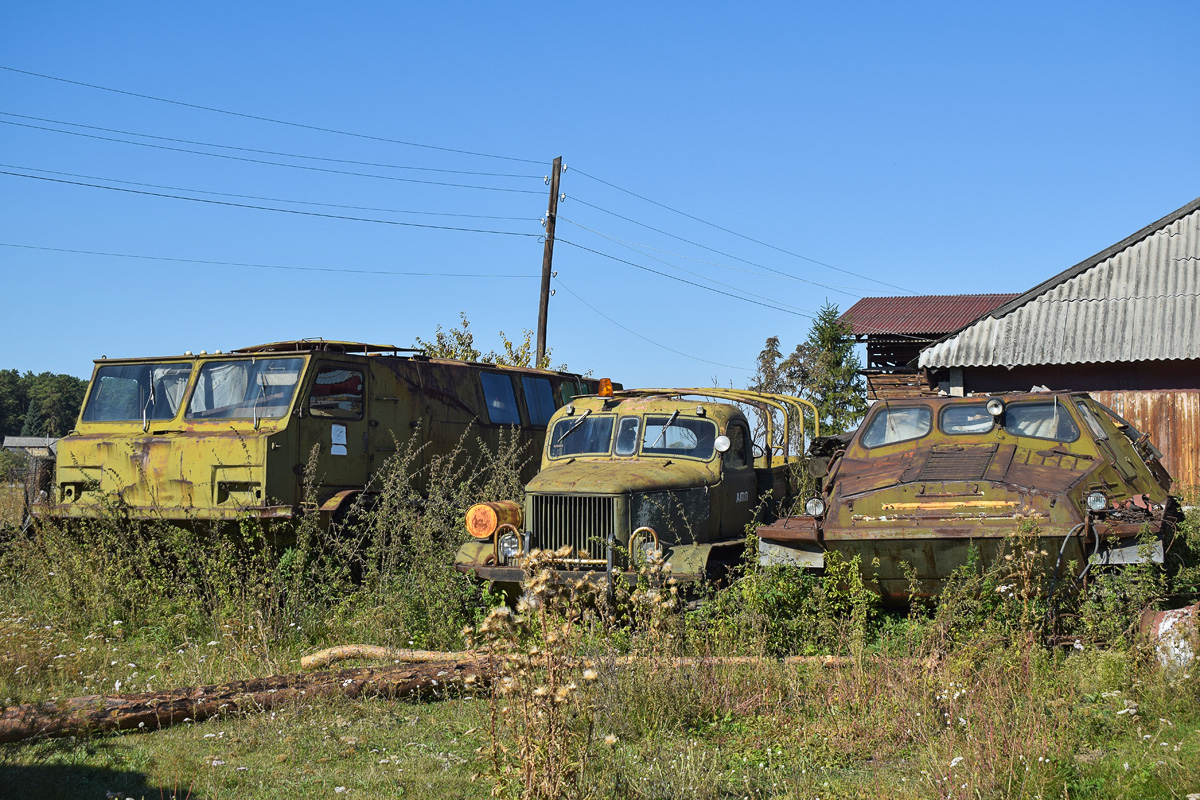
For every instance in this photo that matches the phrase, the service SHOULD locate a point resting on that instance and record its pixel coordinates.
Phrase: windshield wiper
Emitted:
(262, 392)
(151, 400)
(571, 429)
(663, 432)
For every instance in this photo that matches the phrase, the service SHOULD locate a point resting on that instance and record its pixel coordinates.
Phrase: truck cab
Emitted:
(210, 437)
(628, 474)
(923, 480)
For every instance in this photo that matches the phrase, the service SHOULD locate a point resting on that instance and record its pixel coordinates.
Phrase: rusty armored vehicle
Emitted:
(220, 436)
(923, 480)
(627, 474)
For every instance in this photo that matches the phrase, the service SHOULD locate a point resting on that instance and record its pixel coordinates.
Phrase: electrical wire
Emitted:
(714, 250)
(682, 280)
(739, 235)
(271, 163)
(268, 208)
(271, 152)
(266, 119)
(643, 247)
(859, 328)
(270, 266)
(630, 246)
(271, 199)
(647, 338)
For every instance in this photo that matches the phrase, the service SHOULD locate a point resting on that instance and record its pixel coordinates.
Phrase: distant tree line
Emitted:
(39, 405)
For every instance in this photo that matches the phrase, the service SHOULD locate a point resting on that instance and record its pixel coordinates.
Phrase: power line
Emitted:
(271, 163)
(268, 208)
(271, 199)
(646, 338)
(630, 246)
(270, 152)
(713, 250)
(735, 233)
(269, 266)
(683, 280)
(640, 247)
(267, 119)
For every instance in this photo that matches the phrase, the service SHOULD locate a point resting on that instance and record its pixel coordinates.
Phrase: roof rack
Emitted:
(326, 346)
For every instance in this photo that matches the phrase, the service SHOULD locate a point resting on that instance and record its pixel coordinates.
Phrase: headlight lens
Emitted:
(995, 406)
(815, 507)
(1096, 501)
(509, 546)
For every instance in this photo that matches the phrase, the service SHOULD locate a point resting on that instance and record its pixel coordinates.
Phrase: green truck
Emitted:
(627, 475)
(923, 481)
(221, 436)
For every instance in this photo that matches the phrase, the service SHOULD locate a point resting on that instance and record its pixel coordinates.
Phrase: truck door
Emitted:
(739, 495)
(335, 419)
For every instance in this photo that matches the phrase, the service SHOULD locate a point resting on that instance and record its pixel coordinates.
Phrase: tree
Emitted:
(823, 369)
(832, 382)
(13, 400)
(459, 343)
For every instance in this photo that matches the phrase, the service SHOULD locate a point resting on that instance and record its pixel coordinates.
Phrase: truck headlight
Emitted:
(815, 507)
(1096, 501)
(509, 546)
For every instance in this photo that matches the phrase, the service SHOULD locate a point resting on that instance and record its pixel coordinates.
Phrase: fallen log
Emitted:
(345, 652)
(367, 651)
(157, 710)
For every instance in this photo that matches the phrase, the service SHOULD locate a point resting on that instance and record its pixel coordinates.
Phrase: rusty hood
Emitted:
(610, 476)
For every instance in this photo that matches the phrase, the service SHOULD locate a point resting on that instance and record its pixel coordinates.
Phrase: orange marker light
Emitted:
(605, 389)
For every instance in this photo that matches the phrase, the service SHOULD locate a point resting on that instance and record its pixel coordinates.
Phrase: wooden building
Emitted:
(896, 329)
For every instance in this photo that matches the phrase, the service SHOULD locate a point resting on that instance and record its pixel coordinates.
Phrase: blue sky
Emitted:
(869, 148)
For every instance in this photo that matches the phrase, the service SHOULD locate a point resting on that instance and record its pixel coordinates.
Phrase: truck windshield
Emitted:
(1046, 420)
(259, 388)
(678, 436)
(575, 436)
(122, 392)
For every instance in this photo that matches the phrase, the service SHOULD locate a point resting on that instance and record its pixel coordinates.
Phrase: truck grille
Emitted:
(584, 522)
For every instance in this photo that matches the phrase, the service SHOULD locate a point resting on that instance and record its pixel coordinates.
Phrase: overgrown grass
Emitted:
(988, 694)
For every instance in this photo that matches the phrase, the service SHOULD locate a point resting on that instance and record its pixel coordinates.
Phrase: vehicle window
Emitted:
(500, 399)
(568, 389)
(337, 392)
(1123, 425)
(123, 392)
(539, 399)
(738, 441)
(967, 418)
(1090, 420)
(259, 388)
(684, 436)
(580, 435)
(627, 435)
(1047, 420)
(898, 424)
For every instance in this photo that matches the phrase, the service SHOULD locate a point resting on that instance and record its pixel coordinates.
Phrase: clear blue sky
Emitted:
(939, 148)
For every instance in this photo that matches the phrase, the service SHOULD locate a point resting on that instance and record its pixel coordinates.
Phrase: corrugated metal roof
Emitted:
(930, 314)
(1139, 300)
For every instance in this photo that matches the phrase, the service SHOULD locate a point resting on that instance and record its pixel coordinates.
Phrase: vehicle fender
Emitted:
(689, 559)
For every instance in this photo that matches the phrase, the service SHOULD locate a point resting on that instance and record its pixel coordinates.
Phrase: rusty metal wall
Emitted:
(1173, 421)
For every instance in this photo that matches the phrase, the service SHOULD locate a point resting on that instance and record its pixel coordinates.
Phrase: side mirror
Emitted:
(818, 467)
(721, 444)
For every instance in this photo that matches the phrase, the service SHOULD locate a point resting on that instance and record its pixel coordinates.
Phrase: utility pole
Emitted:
(547, 262)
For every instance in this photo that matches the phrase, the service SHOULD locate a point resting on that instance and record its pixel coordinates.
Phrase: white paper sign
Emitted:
(337, 440)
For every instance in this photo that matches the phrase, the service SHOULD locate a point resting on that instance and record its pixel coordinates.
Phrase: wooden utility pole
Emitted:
(547, 262)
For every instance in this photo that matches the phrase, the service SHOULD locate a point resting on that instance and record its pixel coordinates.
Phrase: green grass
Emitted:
(963, 701)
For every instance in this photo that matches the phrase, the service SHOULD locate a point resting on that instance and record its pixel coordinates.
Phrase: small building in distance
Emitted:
(1123, 325)
(895, 329)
